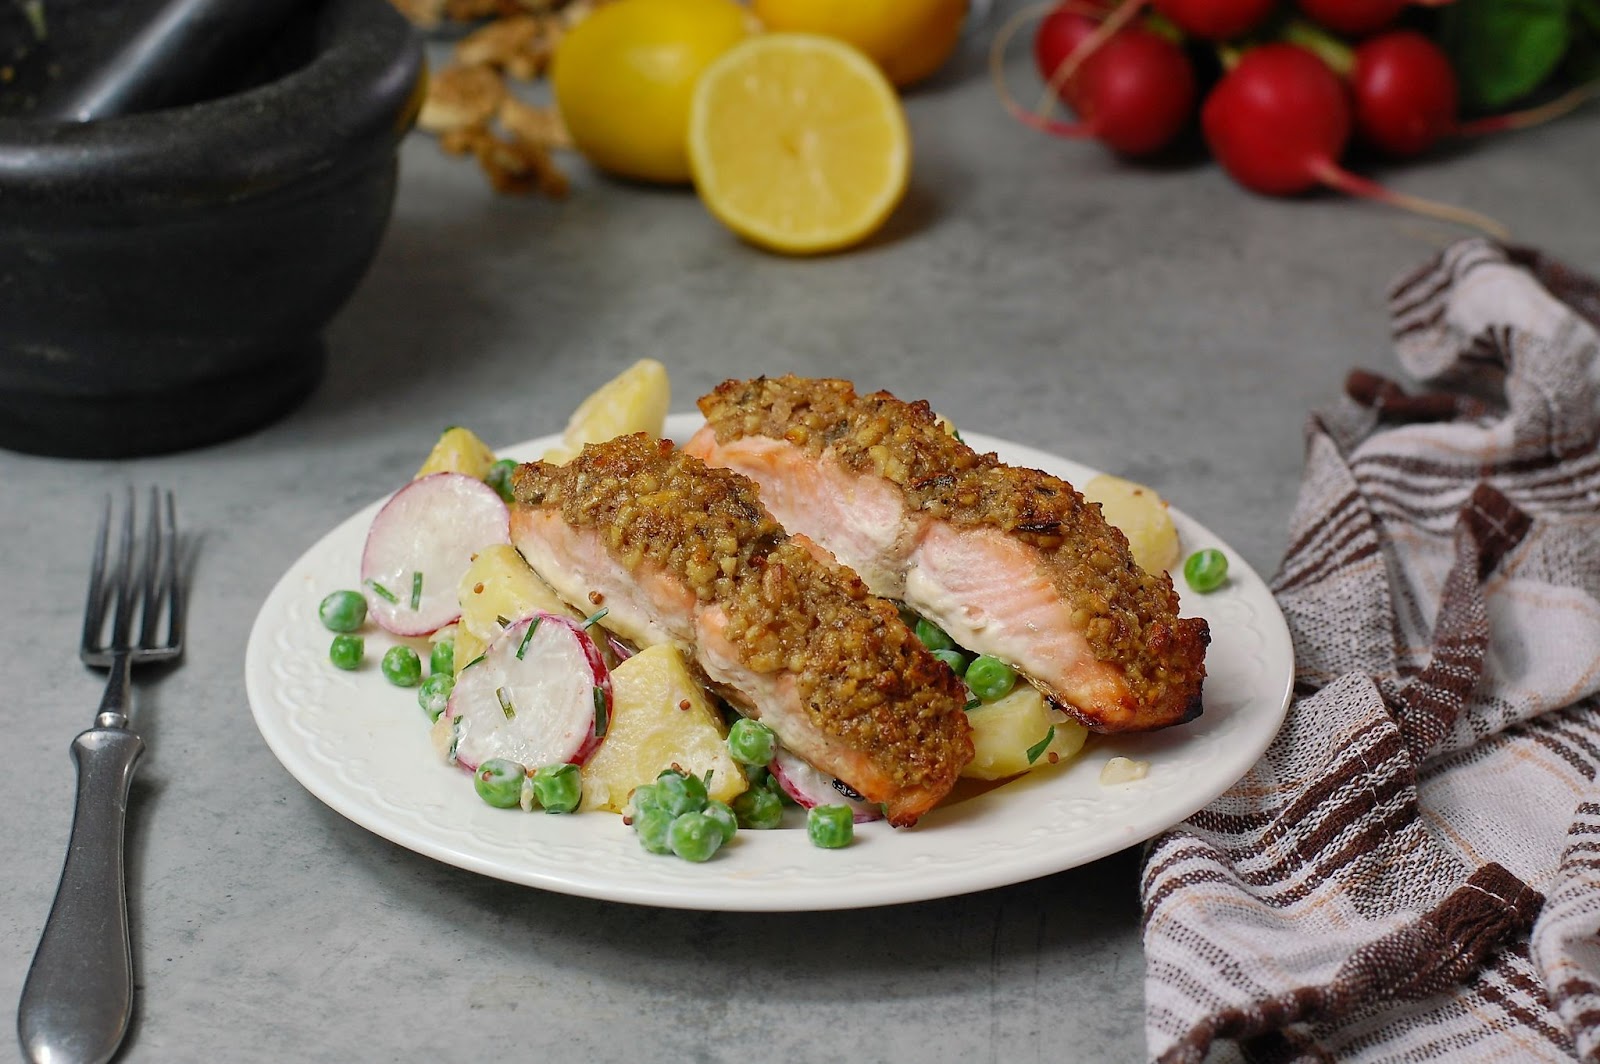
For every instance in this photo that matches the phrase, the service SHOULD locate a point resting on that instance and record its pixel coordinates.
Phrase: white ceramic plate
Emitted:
(362, 747)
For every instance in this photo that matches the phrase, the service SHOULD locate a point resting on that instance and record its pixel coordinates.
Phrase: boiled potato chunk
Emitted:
(636, 400)
(498, 583)
(1004, 730)
(650, 731)
(458, 451)
(1142, 516)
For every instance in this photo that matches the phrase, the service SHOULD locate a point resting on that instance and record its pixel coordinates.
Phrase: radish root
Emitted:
(1568, 101)
(1069, 66)
(1342, 180)
(997, 69)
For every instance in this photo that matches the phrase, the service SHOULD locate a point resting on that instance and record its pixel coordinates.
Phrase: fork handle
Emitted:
(78, 997)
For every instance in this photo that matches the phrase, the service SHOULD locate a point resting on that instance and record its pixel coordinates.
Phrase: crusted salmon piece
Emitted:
(1009, 561)
(679, 552)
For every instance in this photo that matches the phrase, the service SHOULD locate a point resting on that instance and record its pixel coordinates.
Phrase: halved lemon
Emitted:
(798, 143)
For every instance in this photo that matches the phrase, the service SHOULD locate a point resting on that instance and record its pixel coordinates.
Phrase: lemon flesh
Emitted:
(798, 143)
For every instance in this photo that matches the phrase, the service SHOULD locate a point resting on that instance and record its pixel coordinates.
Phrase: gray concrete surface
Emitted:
(1156, 322)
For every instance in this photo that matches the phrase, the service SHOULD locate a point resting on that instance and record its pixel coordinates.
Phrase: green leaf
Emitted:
(1042, 745)
(1504, 49)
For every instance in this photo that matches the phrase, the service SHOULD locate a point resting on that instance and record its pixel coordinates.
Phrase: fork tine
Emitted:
(170, 542)
(125, 586)
(94, 606)
(152, 562)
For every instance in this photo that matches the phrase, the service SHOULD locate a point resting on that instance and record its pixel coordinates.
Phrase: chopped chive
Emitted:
(1042, 745)
(505, 703)
(523, 646)
(502, 620)
(382, 592)
(455, 739)
(709, 771)
(416, 589)
(972, 705)
(601, 719)
(595, 617)
(471, 663)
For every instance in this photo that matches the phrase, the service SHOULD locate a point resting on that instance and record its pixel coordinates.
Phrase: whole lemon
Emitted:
(623, 78)
(909, 39)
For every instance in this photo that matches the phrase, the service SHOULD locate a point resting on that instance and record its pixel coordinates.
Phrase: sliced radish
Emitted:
(539, 695)
(812, 787)
(419, 545)
(620, 649)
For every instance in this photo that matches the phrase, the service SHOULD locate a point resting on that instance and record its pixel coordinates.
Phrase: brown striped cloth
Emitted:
(1412, 870)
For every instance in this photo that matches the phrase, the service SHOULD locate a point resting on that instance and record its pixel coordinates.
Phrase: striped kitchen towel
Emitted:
(1412, 870)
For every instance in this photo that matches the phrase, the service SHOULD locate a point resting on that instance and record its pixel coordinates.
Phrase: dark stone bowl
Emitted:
(165, 277)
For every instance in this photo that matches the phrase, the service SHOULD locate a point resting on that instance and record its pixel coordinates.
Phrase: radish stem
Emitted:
(1570, 100)
(1341, 59)
(1342, 180)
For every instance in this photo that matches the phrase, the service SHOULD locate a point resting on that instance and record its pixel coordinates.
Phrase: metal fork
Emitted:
(78, 997)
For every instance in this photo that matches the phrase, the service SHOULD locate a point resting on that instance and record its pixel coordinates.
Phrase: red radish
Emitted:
(540, 695)
(1354, 18)
(619, 649)
(1278, 123)
(811, 787)
(1405, 92)
(1216, 20)
(1061, 33)
(419, 545)
(1357, 18)
(1134, 93)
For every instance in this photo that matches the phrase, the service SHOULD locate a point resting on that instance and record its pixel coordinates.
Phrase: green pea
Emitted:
(955, 659)
(499, 477)
(758, 808)
(751, 742)
(679, 793)
(401, 666)
(442, 658)
(695, 837)
(722, 814)
(1206, 570)
(990, 678)
(434, 694)
(830, 826)
(558, 788)
(933, 637)
(499, 782)
(343, 611)
(644, 797)
(346, 651)
(653, 826)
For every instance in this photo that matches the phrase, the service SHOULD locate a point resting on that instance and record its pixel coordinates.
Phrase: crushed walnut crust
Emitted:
(1128, 616)
(858, 671)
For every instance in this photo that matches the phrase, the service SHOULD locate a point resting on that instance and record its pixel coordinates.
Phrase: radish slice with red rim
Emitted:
(419, 545)
(539, 695)
(811, 787)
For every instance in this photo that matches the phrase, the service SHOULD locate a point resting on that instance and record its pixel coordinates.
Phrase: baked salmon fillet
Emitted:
(1009, 561)
(682, 553)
